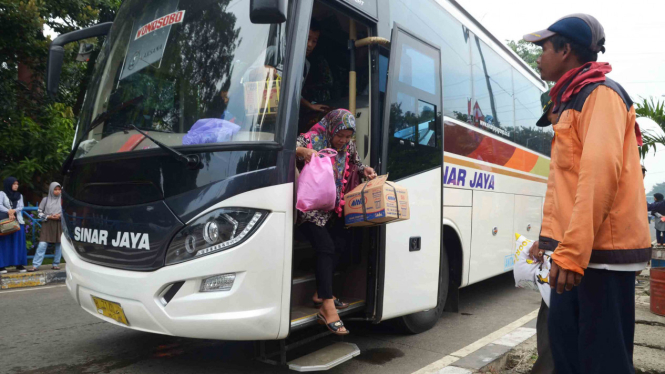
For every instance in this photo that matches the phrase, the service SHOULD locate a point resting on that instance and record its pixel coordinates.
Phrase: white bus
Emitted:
(175, 231)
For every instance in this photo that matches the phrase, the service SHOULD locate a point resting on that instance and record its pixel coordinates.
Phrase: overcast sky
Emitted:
(634, 32)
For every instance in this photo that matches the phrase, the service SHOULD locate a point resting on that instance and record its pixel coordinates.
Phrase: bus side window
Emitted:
(414, 119)
(527, 112)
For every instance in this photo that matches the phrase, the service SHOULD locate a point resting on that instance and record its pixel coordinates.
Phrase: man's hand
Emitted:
(536, 253)
(561, 278)
(320, 107)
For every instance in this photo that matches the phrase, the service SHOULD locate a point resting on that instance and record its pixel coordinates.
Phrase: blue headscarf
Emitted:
(14, 196)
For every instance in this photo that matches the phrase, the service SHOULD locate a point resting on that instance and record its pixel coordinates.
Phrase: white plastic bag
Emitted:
(529, 273)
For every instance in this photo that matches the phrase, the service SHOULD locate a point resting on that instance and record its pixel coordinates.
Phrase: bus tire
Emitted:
(422, 321)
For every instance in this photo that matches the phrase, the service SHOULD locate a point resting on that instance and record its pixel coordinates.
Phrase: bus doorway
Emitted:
(335, 77)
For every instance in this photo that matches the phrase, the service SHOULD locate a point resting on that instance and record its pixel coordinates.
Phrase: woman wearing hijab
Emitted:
(12, 246)
(325, 229)
(50, 209)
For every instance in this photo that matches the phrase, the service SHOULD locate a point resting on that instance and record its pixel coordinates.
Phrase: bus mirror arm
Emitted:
(56, 54)
(192, 161)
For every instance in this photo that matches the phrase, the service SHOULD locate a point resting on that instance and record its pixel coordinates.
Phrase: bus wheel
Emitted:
(422, 321)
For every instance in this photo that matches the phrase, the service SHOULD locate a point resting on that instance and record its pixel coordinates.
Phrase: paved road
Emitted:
(44, 331)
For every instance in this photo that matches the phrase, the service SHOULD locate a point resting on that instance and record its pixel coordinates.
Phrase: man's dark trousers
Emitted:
(545, 363)
(592, 327)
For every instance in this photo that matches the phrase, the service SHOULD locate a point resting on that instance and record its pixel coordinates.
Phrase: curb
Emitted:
(36, 279)
(489, 355)
(493, 356)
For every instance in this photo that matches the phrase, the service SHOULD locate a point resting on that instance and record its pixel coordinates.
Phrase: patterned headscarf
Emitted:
(320, 137)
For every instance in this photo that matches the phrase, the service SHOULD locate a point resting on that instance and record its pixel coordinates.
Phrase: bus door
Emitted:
(412, 154)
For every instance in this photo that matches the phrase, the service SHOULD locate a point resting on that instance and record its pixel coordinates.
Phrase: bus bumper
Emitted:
(251, 310)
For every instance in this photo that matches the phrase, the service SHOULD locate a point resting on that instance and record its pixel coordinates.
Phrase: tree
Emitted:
(654, 110)
(528, 52)
(658, 188)
(36, 131)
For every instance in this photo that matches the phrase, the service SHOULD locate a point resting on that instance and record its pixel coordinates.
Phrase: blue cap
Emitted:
(582, 29)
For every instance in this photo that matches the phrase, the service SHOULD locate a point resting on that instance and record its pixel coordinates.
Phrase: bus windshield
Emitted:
(203, 73)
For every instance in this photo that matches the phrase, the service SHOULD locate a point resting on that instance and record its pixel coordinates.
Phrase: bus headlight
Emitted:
(216, 231)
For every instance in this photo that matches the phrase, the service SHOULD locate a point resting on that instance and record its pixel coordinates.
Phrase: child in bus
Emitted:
(50, 209)
(325, 230)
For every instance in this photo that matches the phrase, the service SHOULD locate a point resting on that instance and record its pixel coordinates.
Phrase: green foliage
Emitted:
(38, 146)
(654, 110)
(528, 52)
(37, 132)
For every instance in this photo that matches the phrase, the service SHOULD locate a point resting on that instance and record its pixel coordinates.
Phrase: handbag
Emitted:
(316, 184)
(8, 226)
(353, 180)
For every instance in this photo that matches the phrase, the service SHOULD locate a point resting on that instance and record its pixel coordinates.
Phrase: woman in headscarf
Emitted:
(12, 247)
(325, 229)
(50, 209)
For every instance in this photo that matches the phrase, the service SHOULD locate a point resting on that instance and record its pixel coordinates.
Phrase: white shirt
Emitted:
(614, 267)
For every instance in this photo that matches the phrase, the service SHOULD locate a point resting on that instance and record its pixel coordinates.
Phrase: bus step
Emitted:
(325, 358)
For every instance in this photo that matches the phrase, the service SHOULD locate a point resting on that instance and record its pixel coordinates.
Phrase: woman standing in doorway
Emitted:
(325, 229)
(50, 209)
(12, 246)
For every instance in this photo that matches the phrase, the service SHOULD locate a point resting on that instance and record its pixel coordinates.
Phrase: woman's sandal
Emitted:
(334, 326)
(32, 270)
(55, 268)
(339, 305)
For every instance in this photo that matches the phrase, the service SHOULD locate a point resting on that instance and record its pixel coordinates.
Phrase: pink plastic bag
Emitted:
(316, 185)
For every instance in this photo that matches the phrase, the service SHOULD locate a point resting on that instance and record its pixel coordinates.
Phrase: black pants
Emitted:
(660, 237)
(545, 363)
(329, 242)
(592, 327)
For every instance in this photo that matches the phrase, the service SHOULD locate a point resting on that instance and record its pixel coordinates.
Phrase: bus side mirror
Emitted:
(267, 11)
(56, 53)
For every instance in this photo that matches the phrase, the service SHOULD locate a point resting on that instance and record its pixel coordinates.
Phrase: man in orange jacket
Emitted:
(594, 217)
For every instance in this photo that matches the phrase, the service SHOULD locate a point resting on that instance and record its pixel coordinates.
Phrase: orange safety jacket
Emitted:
(595, 207)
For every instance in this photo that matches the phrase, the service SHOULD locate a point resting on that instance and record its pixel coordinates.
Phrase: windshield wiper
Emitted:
(192, 161)
(101, 118)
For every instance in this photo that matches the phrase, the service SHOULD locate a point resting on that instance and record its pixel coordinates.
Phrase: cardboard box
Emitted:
(376, 202)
